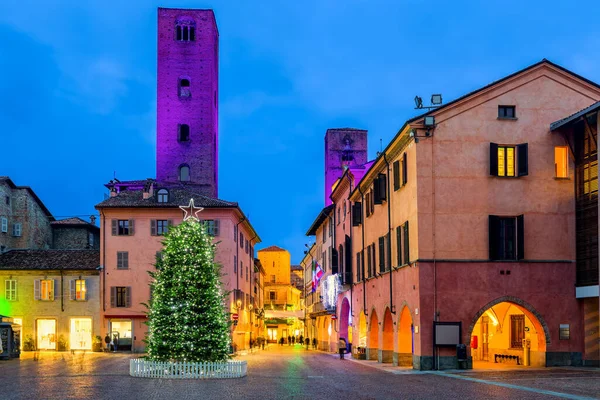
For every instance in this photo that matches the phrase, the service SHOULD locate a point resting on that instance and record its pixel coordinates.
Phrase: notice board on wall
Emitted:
(447, 333)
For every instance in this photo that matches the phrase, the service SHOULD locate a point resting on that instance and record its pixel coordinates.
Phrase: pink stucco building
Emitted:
(464, 232)
(137, 213)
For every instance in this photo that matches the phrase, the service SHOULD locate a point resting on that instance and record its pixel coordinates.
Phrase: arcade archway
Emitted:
(387, 349)
(372, 350)
(504, 331)
(405, 339)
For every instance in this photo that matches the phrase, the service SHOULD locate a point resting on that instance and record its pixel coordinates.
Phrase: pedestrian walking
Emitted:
(293, 339)
(281, 341)
(342, 344)
(315, 343)
(262, 343)
(289, 340)
(306, 342)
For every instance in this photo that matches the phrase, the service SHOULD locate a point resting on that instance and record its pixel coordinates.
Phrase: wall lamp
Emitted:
(428, 123)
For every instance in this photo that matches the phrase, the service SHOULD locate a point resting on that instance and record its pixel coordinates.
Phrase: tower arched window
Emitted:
(184, 173)
(183, 134)
(184, 87)
(163, 196)
(185, 30)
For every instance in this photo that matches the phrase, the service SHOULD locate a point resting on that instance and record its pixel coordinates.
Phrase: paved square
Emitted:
(284, 372)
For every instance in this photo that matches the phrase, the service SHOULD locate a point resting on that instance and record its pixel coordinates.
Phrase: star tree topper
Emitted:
(191, 212)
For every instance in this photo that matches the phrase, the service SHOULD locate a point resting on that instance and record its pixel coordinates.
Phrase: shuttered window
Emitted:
(406, 243)
(506, 238)
(213, 227)
(122, 227)
(382, 254)
(358, 267)
(396, 168)
(159, 226)
(122, 260)
(369, 261)
(399, 251)
(10, 289)
(405, 169)
(120, 296)
(509, 161)
(356, 214)
(78, 290)
(43, 289)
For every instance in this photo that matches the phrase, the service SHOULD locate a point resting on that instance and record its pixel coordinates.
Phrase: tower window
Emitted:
(184, 173)
(184, 133)
(184, 88)
(185, 30)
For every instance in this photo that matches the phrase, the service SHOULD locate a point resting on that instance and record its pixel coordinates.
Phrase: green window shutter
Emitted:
(494, 236)
(153, 227)
(522, 159)
(53, 293)
(131, 227)
(399, 245)
(381, 254)
(406, 244)
(119, 260)
(113, 223)
(520, 237)
(493, 159)
(126, 260)
(405, 169)
(396, 175)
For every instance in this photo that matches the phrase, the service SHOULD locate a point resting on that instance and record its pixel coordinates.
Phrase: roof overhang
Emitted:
(312, 231)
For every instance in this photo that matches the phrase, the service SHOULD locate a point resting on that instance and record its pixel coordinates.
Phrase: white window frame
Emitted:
(4, 224)
(10, 289)
(17, 229)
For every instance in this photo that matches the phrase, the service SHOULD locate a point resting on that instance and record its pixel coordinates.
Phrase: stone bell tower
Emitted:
(187, 98)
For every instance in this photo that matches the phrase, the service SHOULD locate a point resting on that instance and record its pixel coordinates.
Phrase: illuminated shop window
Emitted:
(561, 162)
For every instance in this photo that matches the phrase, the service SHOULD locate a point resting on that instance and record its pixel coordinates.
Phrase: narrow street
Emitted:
(281, 373)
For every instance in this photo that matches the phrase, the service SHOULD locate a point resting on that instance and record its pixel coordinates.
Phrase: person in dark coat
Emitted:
(289, 340)
(315, 343)
(342, 344)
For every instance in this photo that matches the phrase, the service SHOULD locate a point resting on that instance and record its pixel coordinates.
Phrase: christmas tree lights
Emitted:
(187, 319)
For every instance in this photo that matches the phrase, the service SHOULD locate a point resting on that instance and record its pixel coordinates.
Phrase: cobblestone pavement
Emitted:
(281, 373)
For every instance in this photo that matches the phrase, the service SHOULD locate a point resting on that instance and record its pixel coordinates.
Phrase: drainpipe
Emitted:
(237, 254)
(351, 255)
(362, 252)
(389, 255)
(103, 264)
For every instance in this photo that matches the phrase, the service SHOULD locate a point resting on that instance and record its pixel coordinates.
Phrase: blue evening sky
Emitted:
(78, 92)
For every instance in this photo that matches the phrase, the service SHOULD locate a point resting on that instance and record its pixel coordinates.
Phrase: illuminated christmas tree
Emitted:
(187, 319)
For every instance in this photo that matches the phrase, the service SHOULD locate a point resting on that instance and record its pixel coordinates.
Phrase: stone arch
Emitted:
(373, 343)
(344, 324)
(387, 345)
(405, 337)
(527, 308)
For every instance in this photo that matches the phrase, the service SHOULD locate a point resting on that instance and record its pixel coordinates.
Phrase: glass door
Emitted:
(46, 334)
(81, 334)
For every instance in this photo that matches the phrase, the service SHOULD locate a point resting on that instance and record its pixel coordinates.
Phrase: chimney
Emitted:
(148, 189)
(113, 192)
(93, 219)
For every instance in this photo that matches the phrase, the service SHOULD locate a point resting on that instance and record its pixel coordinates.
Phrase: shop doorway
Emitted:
(508, 334)
(373, 349)
(272, 334)
(387, 348)
(46, 334)
(81, 334)
(121, 333)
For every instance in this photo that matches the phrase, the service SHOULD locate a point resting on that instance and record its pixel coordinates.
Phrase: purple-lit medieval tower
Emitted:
(187, 98)
(344, 148)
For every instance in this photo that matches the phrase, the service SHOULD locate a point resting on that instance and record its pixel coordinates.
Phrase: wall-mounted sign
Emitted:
(446, 333)
(564, 332)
